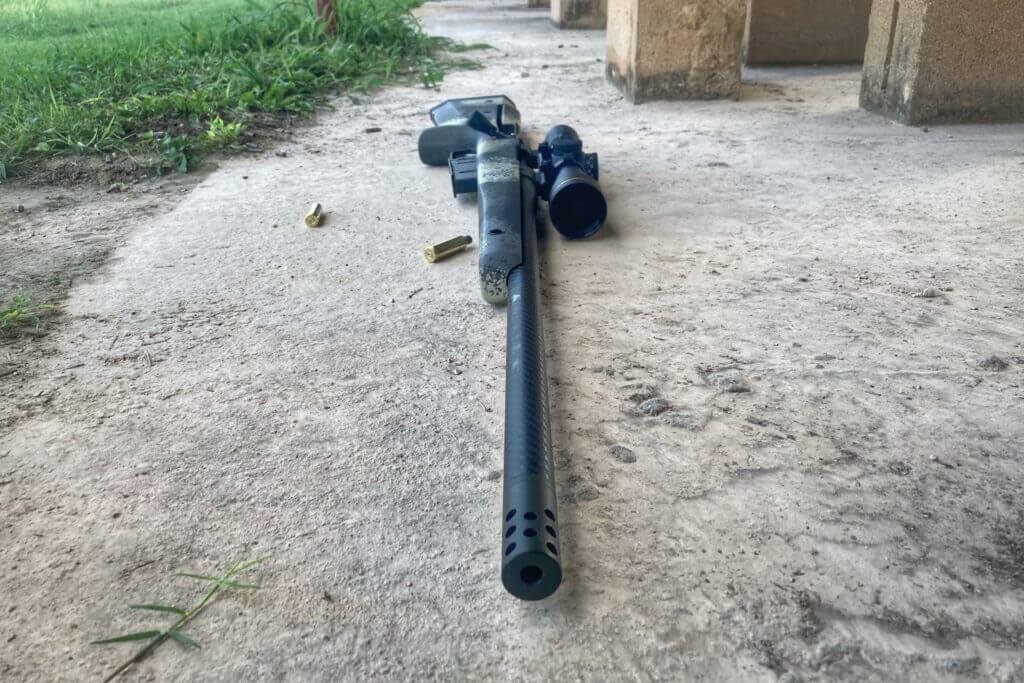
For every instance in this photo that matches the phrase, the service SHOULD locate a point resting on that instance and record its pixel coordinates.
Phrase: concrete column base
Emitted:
(807, 31)
(936, 61)
(579, 14)
(675, 49)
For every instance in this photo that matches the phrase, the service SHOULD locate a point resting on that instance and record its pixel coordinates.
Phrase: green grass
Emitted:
(19, 313)
(183, 617)
(169, 78)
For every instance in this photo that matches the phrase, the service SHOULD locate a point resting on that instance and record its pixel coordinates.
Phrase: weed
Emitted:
(226, 581)
(223, 134)
(174, 154)
(20, 312)
(469, 47)
(431, 75)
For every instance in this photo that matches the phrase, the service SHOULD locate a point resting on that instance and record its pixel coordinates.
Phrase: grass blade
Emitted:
(183, 640)
(216, 586)
(141, 635)
(235, 584)
(245, 566)
(198, 577)
(161, 608)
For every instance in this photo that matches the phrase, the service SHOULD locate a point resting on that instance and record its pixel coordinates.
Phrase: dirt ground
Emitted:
(829, 306)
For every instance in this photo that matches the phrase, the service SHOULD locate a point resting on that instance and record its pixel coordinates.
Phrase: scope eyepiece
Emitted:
(575, 202)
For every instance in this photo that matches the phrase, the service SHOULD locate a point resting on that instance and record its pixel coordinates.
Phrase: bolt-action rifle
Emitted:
(478, 139)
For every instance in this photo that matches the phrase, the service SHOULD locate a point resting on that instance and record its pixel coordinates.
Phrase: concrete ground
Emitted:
(830, 305)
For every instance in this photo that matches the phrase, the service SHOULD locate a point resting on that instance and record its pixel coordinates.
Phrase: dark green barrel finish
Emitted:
(530, 567)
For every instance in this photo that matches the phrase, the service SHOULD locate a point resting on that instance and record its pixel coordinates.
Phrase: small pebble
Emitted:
(622, 454)
(585, 492)
(654, 407)
(683, 420)
(639, 392)
(964, 666)
(372, 129)
(994, 363)
(826, 653)
(900, 469)
(730, 380)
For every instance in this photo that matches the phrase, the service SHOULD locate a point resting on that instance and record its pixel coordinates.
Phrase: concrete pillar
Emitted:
(807, 31)
(936, 61)
(538, 3)
(675, 49)
(579, 13)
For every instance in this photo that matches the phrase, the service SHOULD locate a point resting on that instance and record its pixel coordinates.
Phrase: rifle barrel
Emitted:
(530, 567)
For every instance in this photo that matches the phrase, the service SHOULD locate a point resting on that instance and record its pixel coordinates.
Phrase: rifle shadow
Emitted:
(571, 470)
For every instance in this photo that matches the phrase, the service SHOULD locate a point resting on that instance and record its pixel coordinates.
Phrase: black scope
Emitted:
(575, 202)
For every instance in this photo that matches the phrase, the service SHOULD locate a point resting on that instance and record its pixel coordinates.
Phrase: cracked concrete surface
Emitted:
(829, 488)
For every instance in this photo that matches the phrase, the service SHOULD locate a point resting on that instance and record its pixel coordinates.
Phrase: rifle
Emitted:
(479, 140)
